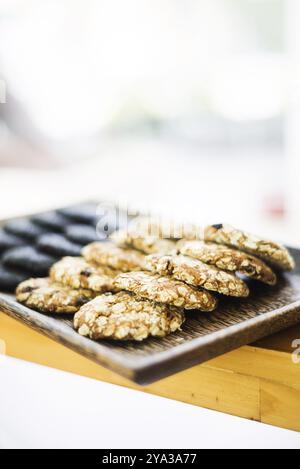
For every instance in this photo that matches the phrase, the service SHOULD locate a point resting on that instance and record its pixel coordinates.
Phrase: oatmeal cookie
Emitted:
(113, 256)
(147, 244)
(226, 258)
(198, 274)
(75, 272)
(273, 253)
(166, 290)
(48, 297)
(124, 317)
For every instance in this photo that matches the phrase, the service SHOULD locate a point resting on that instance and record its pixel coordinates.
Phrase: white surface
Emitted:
(46, 408)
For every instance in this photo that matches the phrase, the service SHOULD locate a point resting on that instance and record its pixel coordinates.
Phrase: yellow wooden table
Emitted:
(259, 382)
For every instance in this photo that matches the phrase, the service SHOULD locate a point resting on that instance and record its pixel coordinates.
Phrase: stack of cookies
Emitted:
(144, 280)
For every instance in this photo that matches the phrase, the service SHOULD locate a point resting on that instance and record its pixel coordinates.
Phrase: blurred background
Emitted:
(184, 107)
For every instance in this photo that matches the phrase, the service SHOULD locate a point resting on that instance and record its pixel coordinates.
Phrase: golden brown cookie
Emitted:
(198, 274)
(272, 253)
(226, 258)
(166, 290)
(122, 316)
(47, 297)
(110, 255)
(75, 272)
(148, 244)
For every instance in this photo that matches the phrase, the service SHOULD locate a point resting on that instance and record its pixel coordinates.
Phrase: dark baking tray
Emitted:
(203, 337)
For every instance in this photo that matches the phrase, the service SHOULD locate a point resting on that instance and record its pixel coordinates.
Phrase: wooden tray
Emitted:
(204, 336)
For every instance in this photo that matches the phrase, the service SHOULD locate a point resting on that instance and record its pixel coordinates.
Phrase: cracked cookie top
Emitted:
(110, 255)
(229, 259)
(166, 290)
(49, 297)
(122, 316)
(76, 272)
(198, 274)
(271, 252)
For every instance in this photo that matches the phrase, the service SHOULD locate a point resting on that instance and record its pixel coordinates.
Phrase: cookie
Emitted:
(58, 245)
(75, 272)
(10, 279)
(9, 241)
(84, 234)
(198, 274)
(145, 243)
(273, 253)
(29, 259)
(48, 297)
(226, 258)
(124, 317)
(24, 228)
(52, 221)
(166, 229)
(111, 255)
(166, 290)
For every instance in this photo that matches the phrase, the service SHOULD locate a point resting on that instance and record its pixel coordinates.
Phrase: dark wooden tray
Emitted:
(204, 336)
